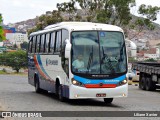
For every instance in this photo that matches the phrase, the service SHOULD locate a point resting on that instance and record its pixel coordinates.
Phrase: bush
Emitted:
(16, 60)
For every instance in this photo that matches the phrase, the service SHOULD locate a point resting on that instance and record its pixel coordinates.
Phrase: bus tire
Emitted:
(37, 86)
(60, 94)
(150, 86)
(108, 100)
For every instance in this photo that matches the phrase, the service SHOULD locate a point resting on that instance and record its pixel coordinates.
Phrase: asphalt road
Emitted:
(17, 95)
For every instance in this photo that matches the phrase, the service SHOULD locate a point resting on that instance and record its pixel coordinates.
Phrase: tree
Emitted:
(89, 9)
(15, 46)
(68, 7)
(149, 15)
(2, 37)
(45, 20)
(3, 59)
(16, 60)
(106, 11)
(24, 45)
(115, 12)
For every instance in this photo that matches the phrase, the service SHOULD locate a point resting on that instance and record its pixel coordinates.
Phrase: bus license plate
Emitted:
(101, 95)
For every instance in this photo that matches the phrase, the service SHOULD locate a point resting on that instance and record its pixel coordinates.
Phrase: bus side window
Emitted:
(51, 43)
(34, 45)
(42, 43)
(58, 41)
(65, 35)
(38, 44)
(47, 43)
(30, 45)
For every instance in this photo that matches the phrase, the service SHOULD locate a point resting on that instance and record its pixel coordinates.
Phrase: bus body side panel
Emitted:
(49, 69)
(47, 85)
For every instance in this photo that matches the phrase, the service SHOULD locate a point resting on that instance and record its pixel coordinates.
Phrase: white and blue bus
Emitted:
(78, 60)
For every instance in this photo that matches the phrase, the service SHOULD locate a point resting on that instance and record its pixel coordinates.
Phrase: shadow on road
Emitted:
(80, 102)
(91, 102)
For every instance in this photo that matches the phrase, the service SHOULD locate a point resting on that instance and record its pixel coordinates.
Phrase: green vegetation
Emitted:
(24, 45)
(13, 73)
(2, 72)
(3, 59)
(131, 59)
(116, 12)
(2, 37)
(15, 46)
(16, 60)
(150, 60)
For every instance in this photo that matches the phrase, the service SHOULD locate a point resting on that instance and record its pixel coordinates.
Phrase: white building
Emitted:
(17, 38)
(153, 53)
(141, 43)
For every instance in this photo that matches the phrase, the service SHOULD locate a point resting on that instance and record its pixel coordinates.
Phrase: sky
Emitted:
(19, 10)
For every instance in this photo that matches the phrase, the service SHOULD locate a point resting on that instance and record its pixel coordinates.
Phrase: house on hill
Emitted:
(148, 54)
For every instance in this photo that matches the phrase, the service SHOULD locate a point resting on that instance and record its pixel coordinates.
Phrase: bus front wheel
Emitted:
(60, 94)
(108, 100)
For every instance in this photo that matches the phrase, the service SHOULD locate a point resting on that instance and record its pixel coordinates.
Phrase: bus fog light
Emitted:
(76, 96)
(123, 94)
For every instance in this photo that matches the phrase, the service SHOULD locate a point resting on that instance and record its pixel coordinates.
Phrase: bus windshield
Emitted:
(98, 52)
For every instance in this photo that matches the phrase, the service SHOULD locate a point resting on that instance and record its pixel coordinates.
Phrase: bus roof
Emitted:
(78, 26)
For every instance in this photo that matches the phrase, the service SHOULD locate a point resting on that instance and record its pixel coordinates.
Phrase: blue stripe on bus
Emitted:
(97, 81)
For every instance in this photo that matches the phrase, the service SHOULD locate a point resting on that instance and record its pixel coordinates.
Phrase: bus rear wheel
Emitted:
(108, 100)
(37, 85)
(37, 88)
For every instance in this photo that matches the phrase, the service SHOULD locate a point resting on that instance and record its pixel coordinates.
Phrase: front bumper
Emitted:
(77, 92)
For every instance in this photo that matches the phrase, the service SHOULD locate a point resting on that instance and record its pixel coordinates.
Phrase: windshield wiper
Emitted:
(121, 51)
(105, 56)
(90, 60)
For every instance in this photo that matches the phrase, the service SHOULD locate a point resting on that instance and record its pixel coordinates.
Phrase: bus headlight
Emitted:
(77, 83)
(122, 82)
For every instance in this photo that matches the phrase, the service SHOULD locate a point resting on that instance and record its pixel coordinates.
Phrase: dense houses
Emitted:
(16, 38)
(145, 50)
(147, 54)
(13, 36)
